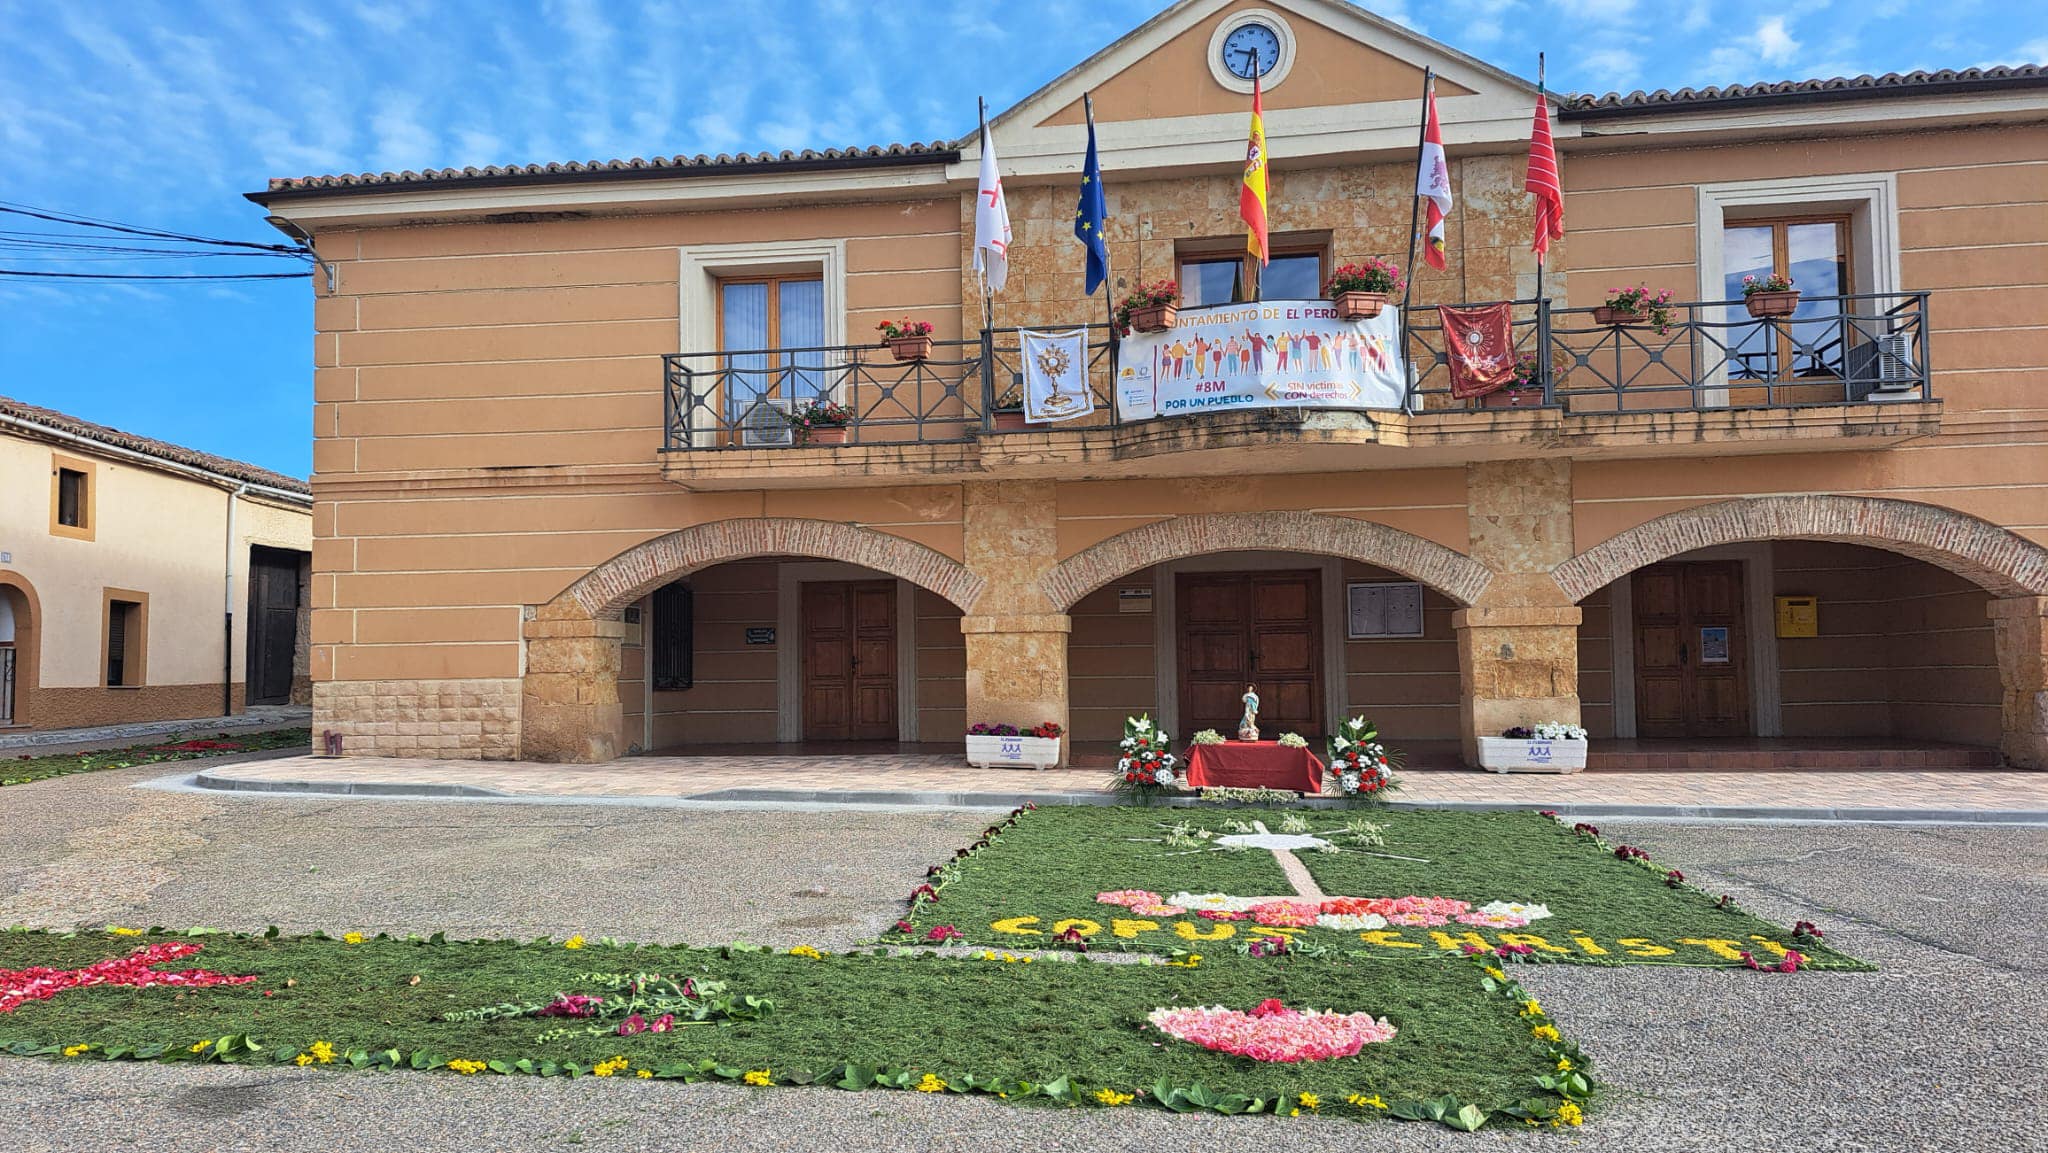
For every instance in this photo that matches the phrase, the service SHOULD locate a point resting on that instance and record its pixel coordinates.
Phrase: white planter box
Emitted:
(1013, 752)
(1506, 755)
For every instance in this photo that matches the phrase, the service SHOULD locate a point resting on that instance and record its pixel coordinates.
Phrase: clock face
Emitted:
(1251, 50)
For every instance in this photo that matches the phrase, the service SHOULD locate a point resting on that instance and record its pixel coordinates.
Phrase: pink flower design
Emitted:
(137, 970)
(1286, 914)
(1128, 897)
(1273, 1032)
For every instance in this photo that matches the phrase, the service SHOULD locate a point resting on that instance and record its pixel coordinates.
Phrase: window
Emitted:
(124, 628)
(71, 498)
(1208, 275)
(760, 319)
(670, 638)
(1814, 252)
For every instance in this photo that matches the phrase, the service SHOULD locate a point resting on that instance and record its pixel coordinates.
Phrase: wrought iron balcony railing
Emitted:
(1711, 355)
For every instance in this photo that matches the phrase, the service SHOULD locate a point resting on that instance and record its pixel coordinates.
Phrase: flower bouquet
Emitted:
(1360, 765)
(1636, 305)
(1360, 291)
(1146, 765)
(1149, 307)
(1007, 747)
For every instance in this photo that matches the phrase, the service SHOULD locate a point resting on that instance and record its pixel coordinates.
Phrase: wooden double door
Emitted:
(1692, 660)
(273, 627)
(1262, 628)
(849, 647)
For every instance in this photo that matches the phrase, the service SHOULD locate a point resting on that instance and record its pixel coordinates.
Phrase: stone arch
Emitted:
(2002, 562)
(606, 590)
(1446, 570)
(28, 620)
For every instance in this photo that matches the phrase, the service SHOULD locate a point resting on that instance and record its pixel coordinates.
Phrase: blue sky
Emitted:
(163, 113)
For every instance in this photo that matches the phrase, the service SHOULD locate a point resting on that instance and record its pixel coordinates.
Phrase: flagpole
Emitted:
(988, 311)
(1415, 208)
(1108, 281)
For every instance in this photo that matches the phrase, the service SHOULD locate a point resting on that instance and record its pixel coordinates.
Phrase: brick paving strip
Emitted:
(940, 780)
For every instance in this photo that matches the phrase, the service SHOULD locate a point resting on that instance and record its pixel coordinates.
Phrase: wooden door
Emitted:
(849, 631)
(1692, 674)
(1250, 628)
(273, 625)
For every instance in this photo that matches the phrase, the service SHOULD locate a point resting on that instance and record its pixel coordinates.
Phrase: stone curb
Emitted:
(926, 799)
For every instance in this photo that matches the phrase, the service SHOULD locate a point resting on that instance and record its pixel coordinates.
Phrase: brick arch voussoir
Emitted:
(1997, 559)
(1446, 570)
(606, 590)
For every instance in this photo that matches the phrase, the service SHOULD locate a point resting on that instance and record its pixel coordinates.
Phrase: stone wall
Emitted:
(1518, 646)
(442, 719)
(1016, 637)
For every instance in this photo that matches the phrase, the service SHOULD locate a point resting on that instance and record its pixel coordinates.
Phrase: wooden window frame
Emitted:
(1215, 250)
(1779, 224)
(88, 505)
(774, 281)
(134, 643)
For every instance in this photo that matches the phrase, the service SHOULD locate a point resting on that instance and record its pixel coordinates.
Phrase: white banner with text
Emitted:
(1275, 354)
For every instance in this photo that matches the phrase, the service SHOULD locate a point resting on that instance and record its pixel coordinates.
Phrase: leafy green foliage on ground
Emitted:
(970, 1022)
(22, 768)
(1048, 867)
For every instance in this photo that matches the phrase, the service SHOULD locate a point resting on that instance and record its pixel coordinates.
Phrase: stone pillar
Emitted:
(1518, 646)
(569, 700)
(2020, 629)
(1016, 638)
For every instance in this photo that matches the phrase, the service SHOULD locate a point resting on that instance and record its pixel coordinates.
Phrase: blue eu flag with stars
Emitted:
(1092, 212)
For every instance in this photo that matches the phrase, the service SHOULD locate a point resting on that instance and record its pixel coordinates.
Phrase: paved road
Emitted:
(1940, 1049)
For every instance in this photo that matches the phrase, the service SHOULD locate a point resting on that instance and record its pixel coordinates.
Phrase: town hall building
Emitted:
(609, 458)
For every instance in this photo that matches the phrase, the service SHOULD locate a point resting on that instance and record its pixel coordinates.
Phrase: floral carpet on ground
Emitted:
(1393, 884)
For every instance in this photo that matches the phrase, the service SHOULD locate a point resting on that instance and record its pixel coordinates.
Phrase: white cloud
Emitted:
(1773, 42)
(2034, 51)
(1613, 68)
(401, 141)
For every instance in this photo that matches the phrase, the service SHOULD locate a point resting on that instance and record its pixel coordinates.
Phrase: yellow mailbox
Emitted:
(1798, 616)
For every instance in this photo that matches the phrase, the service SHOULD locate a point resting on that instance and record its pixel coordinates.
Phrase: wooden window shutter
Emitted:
(671, 634)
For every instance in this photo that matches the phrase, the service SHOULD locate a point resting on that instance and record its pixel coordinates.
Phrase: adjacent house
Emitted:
(561, 511)
(141, 581)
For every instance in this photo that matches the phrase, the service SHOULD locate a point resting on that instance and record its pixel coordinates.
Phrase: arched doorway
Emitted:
(1814, 627)
(748, 632)
(1330, 616)
(20, 618)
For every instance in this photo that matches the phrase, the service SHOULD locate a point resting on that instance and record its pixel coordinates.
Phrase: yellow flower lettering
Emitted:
(1387, 939)
(1586, 943)
(1717, 947)
(1456, 942)
(1016, 926)
(1081, 925)
(1217, 932)
(1533, 941)
(1123, 927)
(1641, 947)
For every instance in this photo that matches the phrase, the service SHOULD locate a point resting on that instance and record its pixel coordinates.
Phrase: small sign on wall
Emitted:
(1134, 600)
(761, 636)
(1378, 609)
(1798, 616)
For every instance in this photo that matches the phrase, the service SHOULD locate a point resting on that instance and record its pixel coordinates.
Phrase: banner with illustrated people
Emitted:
(1274, 354)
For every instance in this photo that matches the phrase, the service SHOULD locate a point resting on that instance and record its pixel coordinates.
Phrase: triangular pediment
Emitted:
(1348, 88)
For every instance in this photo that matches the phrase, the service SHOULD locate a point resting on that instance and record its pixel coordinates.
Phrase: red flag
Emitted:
(1433, 182)
(1542, 180)
(1480, 345)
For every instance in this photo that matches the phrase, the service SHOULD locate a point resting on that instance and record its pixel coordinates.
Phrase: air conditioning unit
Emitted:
(1895, 370)
(765, 424)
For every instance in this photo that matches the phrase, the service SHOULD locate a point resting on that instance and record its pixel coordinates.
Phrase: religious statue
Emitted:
(1248, 728)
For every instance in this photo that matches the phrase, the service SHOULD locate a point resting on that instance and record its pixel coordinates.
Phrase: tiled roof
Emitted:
(936, 152)
(1798, 91)
(150, 446)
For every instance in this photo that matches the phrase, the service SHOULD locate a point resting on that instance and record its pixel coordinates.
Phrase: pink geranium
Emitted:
(1273, 1032)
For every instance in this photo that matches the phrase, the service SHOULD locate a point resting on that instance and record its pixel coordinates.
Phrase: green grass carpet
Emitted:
(21, 769)
(1076, 1026)
(1042, 874)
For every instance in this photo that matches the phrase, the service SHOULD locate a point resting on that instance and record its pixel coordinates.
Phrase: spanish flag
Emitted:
(1251, 199)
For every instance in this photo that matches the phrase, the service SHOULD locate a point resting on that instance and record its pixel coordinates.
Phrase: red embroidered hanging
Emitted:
(1480, 344)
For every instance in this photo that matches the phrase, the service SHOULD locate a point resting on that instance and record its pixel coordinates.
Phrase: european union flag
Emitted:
(1093, 211)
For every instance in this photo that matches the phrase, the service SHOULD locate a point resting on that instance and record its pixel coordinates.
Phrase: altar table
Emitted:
(1254, 764)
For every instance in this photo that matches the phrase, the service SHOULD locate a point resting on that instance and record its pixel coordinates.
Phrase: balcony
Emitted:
(1848, 372)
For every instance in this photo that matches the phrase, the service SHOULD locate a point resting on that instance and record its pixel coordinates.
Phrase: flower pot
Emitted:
(1359, 305)
(1533, 755)
(1610, 316)
(1008, 419)
(823, 434)
(1771, 303)
(1013, 752)
(1513, 398)
(911, 347)
(1157, 318)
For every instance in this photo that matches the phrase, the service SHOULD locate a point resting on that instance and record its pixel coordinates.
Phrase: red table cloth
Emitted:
(1254, 764)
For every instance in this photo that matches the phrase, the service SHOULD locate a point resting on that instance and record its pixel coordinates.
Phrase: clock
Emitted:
(1250, 49)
